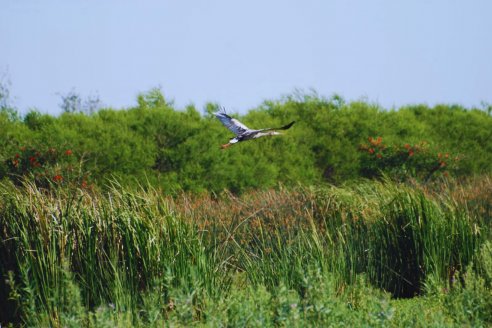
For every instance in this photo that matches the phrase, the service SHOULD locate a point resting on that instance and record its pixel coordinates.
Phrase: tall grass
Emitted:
(396, 235)
(72, 256)
(116, 245)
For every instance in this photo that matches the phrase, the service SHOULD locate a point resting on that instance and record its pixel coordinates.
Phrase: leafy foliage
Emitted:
(46, 168)
(179, 149)
(404, 162)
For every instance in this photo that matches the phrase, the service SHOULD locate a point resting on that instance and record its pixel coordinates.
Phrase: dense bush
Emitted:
(404, 162)
(179, 149)
(46, 168)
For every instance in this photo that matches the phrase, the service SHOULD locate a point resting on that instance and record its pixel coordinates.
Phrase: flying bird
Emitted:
(244, 133)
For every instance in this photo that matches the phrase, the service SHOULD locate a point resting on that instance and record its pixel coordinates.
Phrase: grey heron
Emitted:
(244, 133)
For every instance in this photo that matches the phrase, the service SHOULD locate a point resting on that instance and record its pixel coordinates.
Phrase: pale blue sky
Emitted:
(239, 53)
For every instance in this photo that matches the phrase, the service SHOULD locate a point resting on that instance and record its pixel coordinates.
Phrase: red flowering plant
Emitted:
(47, 168)
(418, 161)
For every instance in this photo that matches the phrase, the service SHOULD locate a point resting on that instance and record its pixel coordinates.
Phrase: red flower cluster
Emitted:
(441, 158)
(417, 160)
(375, 147)
(58, 178)
(410, 150)
(375, 142)
(15, 161)
(43, 166)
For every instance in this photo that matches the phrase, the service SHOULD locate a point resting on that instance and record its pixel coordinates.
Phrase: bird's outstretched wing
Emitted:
(285, 127)
(232, 124)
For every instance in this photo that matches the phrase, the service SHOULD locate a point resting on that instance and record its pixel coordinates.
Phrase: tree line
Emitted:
(333, 141)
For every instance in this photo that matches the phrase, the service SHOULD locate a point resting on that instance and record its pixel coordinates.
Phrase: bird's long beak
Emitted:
(227, 145)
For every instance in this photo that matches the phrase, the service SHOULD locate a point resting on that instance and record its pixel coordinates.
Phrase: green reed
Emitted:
(116, 245)
(71, 255)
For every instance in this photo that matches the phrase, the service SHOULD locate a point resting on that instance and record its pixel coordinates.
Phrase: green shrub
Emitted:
(46, 168)
(405, 162)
